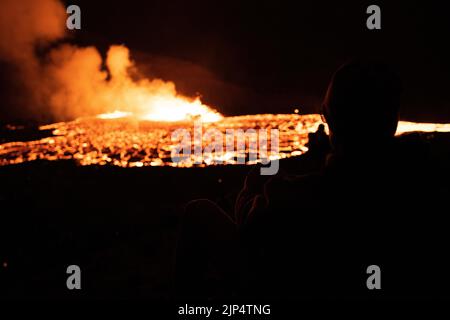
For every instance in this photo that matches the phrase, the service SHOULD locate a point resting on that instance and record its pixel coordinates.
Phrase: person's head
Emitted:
(361, 105)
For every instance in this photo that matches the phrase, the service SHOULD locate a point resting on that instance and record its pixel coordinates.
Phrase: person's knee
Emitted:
(199, 205)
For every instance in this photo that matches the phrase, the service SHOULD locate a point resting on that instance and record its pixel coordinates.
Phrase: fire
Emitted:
(145, 99)
(170, 109)
(66, 81)
(114, 115)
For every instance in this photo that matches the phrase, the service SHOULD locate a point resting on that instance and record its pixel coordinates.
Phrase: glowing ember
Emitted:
(122, 140)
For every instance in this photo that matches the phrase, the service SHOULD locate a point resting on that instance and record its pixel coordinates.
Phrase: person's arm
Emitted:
(251, 194)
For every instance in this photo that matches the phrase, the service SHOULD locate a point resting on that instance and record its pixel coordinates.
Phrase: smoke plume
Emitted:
(66, 81)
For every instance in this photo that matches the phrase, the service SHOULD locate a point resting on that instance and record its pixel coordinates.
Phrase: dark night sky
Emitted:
(272, 56)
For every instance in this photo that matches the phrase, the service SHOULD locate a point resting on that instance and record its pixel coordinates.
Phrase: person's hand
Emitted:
(254, 181)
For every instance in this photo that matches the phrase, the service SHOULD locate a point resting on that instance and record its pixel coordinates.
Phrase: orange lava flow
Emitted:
(120, 139)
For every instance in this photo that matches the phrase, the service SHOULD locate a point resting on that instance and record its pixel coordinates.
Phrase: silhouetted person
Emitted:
(315, 235)
(318, 142)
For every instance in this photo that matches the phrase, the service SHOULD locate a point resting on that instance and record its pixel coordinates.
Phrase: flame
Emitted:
(146, 99)
(169, 109)
(114, 115)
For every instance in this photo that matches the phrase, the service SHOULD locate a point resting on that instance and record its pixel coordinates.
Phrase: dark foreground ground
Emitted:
(119, 225)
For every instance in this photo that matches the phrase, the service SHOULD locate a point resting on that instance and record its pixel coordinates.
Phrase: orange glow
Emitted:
(145, 99)
(405, 126)
(114, 115)
(116, 139)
